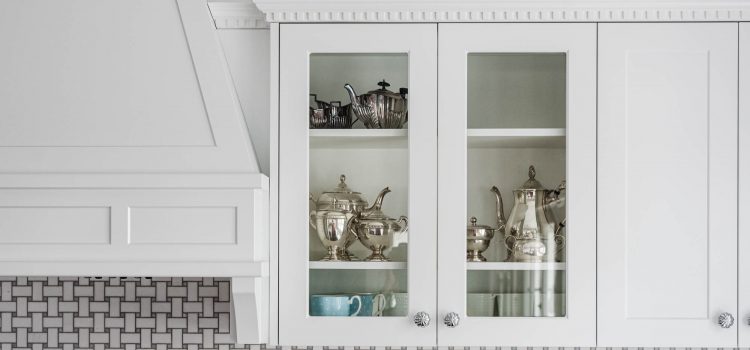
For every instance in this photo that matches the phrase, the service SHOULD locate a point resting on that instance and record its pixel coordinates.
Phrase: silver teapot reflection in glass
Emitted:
(330, 214)
(381, 108)
(532, 233)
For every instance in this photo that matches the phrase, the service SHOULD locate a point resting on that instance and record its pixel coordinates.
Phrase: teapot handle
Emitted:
(401, 236)
(312, 212)
(351, 223)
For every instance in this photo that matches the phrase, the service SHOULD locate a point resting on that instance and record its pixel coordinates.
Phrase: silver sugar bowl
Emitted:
(478, 239)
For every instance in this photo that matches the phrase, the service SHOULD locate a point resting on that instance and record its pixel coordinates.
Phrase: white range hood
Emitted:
(124, 152)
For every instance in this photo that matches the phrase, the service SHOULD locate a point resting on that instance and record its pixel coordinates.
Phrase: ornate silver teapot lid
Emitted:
(342, 195)
(532, 183)
(385, 92)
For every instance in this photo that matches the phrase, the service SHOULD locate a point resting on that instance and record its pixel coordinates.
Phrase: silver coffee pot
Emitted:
(330, 214)
(532, 233)
(381, 108)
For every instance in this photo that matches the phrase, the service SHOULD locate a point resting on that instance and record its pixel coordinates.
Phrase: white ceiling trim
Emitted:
(237, 15)
(502, 11)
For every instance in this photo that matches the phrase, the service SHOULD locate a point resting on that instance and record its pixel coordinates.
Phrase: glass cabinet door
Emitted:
(358, 152)
(517, 184)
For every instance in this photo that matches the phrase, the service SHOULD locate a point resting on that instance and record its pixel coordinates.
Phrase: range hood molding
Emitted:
(166, 185)
(162, 102)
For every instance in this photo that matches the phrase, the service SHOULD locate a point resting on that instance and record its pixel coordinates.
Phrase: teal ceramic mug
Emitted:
(335, 305)
(372, 304)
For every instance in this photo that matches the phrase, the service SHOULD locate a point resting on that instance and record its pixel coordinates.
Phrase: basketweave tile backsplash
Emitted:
(127, 313)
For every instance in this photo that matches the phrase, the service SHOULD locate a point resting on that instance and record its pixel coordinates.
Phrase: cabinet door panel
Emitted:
(313, 288)
(744, 187)
(667, 184)
(512, 96)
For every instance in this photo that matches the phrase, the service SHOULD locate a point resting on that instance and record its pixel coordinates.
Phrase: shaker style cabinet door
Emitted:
(347, 279)
(667, 193)
(517, 127)
(744, 191)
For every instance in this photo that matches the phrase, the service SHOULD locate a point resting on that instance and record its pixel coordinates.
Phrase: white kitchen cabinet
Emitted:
(743, 319)
(320, 59)
(667, 184)
(504, 105)
(511, 96)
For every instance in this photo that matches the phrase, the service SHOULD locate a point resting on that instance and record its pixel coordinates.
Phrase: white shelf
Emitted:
(357, 265)
(359, 138)
(516, 138)
(514, 266)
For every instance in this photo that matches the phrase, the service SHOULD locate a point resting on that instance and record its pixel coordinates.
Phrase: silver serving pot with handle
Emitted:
(532, 233)
(379, 232)
(381, 108)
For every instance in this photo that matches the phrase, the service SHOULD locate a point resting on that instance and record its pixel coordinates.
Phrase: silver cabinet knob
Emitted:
(422, 319)
(726, 320)
(451, 319)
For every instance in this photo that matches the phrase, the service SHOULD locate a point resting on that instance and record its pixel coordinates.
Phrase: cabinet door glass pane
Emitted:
(358, 178)
(516, 185)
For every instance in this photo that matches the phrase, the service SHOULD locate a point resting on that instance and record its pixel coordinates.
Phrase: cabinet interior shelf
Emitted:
(514, 266)
(357, 265)
(359, 138)
(516, 138)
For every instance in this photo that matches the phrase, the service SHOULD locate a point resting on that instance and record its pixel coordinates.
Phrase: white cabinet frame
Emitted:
(298, 41)
(667, 234)
(578, 41)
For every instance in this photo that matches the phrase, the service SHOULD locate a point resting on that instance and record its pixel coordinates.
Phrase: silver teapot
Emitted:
(377, 231)
(330, 214)
(380, 109)
(532, 233)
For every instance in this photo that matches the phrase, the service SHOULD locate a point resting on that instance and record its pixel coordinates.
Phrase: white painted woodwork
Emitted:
(578, 42)
(515, 266)
(516, 138)
(247, 54)
(249, 300)
(667, 204)
(274, 208)
(183, 225)
(743, 314)
(236, 15)
(358, 265)
(132, 225)
(503, 11)
(358, 138)
(55, 225)
(412, 179)
(133, 86)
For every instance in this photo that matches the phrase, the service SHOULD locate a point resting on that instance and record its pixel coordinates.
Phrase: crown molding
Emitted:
(503, 11)
(237, 15)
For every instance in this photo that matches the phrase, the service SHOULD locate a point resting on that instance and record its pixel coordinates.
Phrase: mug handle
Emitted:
(378, 305)
(359, 304)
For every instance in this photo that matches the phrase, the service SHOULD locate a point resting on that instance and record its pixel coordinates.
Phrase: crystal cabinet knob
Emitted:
(451, 319)
(726, 320)
(422, 319)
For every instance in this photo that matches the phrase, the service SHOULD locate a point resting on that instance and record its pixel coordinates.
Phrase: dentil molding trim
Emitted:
(503, 11)
(237, 15)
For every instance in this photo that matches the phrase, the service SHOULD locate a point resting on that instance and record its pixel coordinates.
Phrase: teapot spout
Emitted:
(352, 95)
(378, 201)
(499, 207)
